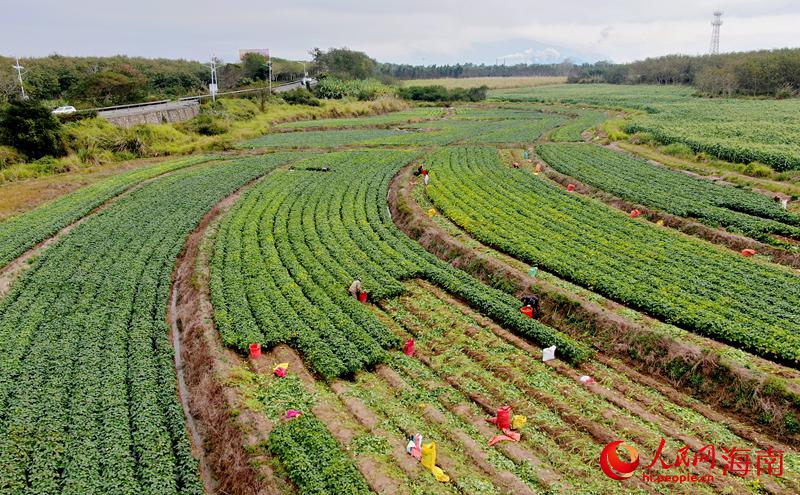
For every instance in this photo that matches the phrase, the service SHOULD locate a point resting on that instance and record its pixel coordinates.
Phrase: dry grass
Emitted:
(491, 82)
(20, 196)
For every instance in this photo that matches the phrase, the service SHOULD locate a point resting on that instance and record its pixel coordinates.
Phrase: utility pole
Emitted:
(269, 65)
(213, 88)
(19, 78)
(716, 23)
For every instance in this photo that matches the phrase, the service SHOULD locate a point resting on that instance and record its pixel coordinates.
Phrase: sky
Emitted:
(407, 31)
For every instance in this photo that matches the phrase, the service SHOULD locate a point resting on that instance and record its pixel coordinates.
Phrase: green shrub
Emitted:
(640, 138)
(756, 169)
(679, 150)
(369, 89)
(206, 125)
(440, 93)
(300, 96)
(31, 128)
(239, 109)
(9, 156)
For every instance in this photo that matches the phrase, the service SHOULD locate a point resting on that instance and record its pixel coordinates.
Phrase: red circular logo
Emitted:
(613, 466)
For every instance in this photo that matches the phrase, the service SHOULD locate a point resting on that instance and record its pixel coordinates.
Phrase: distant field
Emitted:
(491, 82)
(732, 129)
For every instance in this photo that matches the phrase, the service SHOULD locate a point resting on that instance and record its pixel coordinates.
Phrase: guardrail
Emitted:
(121, 107)
(185, 98)
(239, 91)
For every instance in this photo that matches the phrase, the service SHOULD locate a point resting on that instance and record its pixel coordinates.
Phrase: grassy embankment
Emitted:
(93, 142)
(98, 149)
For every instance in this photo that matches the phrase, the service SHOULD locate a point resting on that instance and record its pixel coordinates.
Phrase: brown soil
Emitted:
(717, 383)
(504, 479)
(336, 420)
(206, 363)
(18, 196)
(600, 434)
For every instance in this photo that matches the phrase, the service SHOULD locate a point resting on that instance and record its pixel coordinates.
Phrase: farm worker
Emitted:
(418, 172)
(531, 301)
(426, 179)
(429, 462)
(526, 155)
(355, 288)
(784, 202)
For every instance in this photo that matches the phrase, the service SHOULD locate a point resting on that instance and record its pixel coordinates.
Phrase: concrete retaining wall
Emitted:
(153, 114)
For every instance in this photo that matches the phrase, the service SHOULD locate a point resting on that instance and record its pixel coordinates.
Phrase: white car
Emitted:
(64, 110)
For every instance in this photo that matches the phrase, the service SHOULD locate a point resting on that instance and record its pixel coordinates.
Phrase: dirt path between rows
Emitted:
(608, 331)
(202, 364)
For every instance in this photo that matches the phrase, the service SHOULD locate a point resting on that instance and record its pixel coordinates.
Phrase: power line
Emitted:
(716, 23)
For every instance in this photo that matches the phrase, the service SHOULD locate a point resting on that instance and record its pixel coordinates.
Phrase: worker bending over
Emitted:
(529, 300)
(355, 288)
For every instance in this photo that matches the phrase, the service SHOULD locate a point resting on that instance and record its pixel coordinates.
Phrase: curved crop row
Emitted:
(637, 180)
(22, 232)
(285, 255)
(314, 460)
(526, 132)
(395, 118)
(87, 377)
(684, 281)
(733, 129)
(572, 130)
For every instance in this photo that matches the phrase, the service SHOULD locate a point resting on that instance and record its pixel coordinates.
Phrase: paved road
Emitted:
(112, 112)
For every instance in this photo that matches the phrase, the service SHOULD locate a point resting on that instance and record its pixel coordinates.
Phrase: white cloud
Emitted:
(547, 55)
(407, 31)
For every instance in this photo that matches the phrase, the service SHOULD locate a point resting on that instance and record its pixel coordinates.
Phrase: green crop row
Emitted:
(489, 113)
(478, 126)
(88, 398)
(571, 131)
(318, 139)
(314, 460)
(285, 255)
(22, 232)
(634, 179)
(682, 280)
(396, 118)
(732, 129)
(526, 132)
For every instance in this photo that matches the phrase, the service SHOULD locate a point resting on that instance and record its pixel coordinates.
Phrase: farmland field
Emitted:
(129, 340)
(743, 131)
(491, 82)
(636, 180)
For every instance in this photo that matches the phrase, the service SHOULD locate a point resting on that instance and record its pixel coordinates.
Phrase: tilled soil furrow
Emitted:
(334, 417)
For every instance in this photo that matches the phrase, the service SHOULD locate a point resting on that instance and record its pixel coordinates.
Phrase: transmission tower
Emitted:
(20, 73)
(715, 24)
